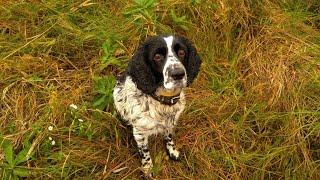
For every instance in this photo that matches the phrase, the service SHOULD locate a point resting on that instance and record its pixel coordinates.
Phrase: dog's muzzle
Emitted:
(177, 77)
(176, 73)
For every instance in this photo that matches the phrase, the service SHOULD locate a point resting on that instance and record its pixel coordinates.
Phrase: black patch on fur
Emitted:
(141, 154)
(147, 106)
(145, 150)
(121, 78)
(170, 143)
(192, 60)
(125, 113)
(173, 157)
(145, 73)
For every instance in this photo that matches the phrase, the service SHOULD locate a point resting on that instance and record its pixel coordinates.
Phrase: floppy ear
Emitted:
(141, 72)
(193, 61)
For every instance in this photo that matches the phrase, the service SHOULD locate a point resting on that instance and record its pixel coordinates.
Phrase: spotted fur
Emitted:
(136, 95)
(171, 63)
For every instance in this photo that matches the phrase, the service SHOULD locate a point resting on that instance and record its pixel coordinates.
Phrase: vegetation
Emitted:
(253, 112)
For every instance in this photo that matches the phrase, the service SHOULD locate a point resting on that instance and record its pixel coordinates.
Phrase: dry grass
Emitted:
(253, 112)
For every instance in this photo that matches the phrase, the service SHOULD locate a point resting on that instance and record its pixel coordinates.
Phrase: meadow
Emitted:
(252, 113)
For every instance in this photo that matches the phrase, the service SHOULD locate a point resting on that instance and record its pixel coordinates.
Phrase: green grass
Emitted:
(252, 113)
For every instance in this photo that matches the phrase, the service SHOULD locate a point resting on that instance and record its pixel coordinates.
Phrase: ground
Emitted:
(252, 113)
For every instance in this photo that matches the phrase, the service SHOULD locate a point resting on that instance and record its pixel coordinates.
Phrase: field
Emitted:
(252, 113)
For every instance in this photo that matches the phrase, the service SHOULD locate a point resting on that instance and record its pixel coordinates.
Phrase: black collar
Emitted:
(168, 100)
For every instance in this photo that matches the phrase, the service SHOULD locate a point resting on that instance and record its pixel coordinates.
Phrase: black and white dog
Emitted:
(149, 95)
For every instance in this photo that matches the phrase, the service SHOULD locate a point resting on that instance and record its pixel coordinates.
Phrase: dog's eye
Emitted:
(158, 57)
(181, 53)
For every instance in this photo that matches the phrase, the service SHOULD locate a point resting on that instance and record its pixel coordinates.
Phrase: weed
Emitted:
(10, 168)
(103, 86)
(180, 22)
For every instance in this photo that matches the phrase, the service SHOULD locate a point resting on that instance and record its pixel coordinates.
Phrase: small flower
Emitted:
(50, 128)
(50, 138)
(73, 106)
(80, 120)
(53, 143)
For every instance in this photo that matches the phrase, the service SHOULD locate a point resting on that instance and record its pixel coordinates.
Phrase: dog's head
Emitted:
(164, 64)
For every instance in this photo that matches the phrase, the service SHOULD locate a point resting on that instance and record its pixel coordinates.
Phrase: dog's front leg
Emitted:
(142, 142)
(173, 153)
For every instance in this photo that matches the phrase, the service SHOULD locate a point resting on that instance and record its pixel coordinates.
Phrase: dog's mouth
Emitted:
(174, 85)
(167, 96)
(162, 91)
(179, 84)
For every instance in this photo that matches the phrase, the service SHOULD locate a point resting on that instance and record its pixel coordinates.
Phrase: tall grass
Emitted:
(253, 112)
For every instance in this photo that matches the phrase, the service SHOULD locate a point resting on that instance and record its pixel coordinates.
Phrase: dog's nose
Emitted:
(177, 74)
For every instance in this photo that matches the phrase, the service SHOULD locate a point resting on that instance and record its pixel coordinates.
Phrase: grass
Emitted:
(253, 112)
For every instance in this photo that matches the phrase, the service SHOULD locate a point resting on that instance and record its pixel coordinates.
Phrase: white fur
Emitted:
(173, 152)
(172, 61)
(143, 112)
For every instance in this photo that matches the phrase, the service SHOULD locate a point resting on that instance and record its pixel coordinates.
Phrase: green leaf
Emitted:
(21, 172)
(99, 101)
(109, 61)
(141, 7)
(109, 48)
(34, 78)
(145, 3)
(181, 22)
(102, 102)
(104, 85)
(8, 152)
(149, 3)
(133, 10)
(22, 156)
(14, 177)
(195, 2)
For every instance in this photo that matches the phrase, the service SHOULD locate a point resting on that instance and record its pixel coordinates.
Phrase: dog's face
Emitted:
(167, 62)
(166, 56)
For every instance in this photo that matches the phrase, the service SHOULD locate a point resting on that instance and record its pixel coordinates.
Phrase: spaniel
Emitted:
(149, 95)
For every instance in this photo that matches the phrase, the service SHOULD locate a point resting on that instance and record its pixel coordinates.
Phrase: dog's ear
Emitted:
(140, 71)
(192, 62)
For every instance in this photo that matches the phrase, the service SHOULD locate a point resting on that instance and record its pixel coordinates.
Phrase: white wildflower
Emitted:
(50, 128)
(73, 106)
(80, 120)
(53, 142)
(50, 138)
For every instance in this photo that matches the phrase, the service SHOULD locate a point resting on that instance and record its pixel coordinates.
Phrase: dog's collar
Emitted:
(168, 100)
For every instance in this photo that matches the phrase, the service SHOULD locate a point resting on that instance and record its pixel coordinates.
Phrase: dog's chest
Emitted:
(144, 112)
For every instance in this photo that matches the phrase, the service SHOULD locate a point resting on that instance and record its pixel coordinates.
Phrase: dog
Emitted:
(149, 95)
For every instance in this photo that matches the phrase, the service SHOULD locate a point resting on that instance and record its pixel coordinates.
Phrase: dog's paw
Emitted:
(146, 169)
(174, 154)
